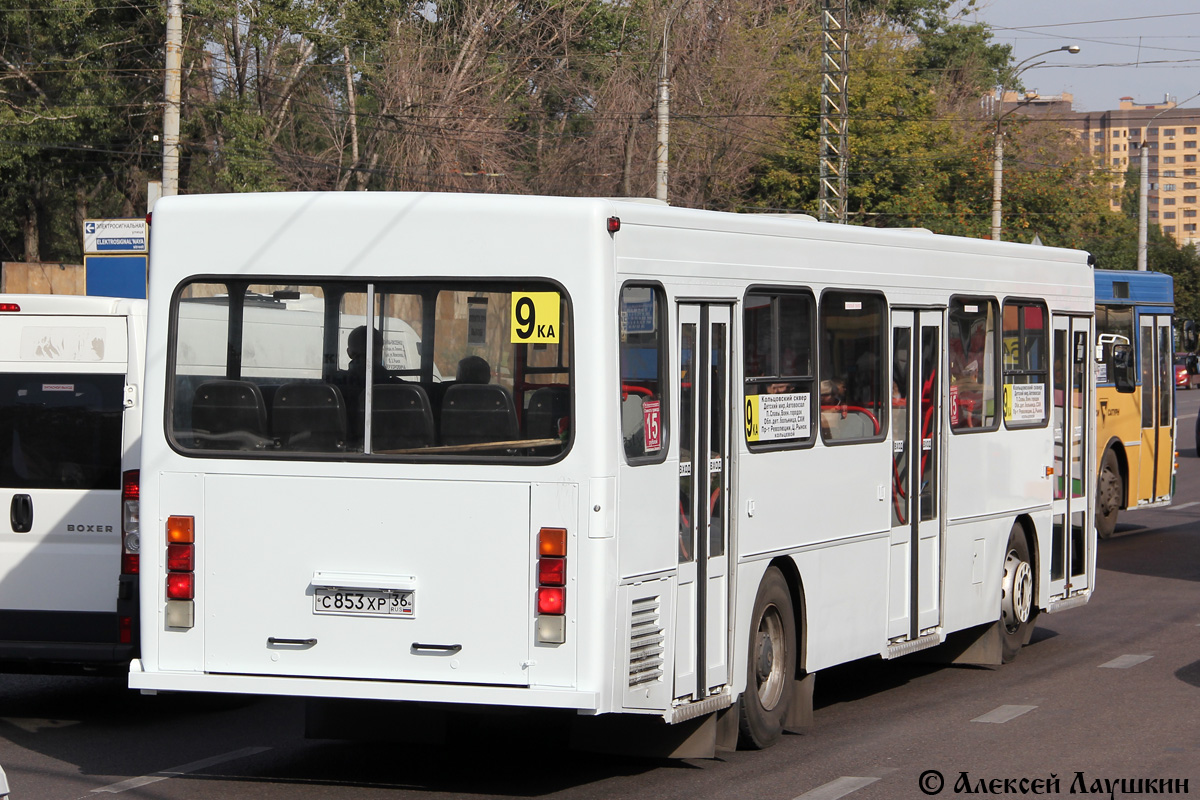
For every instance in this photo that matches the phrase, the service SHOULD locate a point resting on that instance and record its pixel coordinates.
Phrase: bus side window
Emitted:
(778, 366)
(643, 358)
(1026, 363)
(971, 341)
(854, 394)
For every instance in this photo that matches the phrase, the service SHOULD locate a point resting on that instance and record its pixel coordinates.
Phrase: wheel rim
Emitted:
(769, 654)
(1018, 591)
(1110, 495)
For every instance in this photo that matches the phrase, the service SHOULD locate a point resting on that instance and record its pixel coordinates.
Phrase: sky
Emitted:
(1145, 49)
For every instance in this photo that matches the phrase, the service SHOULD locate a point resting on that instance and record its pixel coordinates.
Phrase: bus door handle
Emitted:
(448, 649)
(302, 642)
(20, 513)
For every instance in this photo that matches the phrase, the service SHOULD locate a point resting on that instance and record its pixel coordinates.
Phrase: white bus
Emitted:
(70, 423)
(680, 462)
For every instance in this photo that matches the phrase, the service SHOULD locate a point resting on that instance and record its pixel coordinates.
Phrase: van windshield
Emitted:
(394, 369)
(60, 430)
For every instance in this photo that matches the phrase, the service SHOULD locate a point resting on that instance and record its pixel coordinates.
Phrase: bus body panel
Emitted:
(71, 370)
(263, 583)
(822, 510)
(988, 480)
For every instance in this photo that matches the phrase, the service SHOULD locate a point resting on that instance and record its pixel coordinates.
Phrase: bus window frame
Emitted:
(457, 283)
(884, 363)
(775, 291)
(1023, 301)
(666, 341)
(997, 360)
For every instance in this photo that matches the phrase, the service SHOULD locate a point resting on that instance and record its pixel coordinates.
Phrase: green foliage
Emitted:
(552, 96)
(77, 104)
(241, 162)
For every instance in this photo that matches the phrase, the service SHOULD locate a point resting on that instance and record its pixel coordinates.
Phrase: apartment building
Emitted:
(1115, 138)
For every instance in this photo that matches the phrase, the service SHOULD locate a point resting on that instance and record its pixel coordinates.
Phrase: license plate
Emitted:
(364, 602)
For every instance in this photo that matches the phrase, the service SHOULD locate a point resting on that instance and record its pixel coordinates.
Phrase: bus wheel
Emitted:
(1109, 491)
(1016, 594)
(772, 664)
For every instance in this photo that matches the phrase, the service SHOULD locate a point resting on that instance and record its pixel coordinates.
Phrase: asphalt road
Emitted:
(1106, 692)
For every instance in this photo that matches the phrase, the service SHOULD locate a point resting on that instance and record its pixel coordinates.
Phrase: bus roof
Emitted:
(332, 233)
(1131, 287)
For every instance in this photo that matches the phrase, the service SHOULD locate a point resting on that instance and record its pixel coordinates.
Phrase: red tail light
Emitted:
(9, 307)
(181, 557)
(552, 600)
(181, 586)
(131, 539)
(125, 630)
(551, 627)
(552, 571)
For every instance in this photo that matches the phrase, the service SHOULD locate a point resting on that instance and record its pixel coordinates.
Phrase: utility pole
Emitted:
(834, 112)
(171, 94)
(664, 118)
(998, 160)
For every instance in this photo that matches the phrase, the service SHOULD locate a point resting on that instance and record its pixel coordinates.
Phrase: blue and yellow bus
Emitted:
(1135, 391)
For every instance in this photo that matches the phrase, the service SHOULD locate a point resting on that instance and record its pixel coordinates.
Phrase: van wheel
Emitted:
(772, 655)
(1016, 594)
(1110, 489)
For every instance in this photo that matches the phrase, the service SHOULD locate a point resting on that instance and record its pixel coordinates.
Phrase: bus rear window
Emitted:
(60, 430)
(389, 369)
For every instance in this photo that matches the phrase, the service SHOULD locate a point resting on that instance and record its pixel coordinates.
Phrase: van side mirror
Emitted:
(1122, 362)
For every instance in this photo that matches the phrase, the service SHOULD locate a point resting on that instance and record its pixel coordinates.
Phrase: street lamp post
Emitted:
(1144, 184)
(998, 163)
(663, 111)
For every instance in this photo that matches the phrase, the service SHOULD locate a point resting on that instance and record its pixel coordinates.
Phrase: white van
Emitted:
(71, 372)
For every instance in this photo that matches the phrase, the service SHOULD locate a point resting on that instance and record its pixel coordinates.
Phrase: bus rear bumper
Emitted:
(151, 682)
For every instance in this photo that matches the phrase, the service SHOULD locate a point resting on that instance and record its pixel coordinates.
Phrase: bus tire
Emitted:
(1016, 594)
(1110, 489)
(772, 664)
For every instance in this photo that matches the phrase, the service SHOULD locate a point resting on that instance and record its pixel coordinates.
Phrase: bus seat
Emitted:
(229, 415)
(474, 412)
(401, 417)
(546, 407)
(309, 416)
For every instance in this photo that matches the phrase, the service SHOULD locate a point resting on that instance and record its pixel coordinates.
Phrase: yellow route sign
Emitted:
(536, 317)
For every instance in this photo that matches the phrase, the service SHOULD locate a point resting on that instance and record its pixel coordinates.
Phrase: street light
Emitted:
(998, 164)
(1144, 184)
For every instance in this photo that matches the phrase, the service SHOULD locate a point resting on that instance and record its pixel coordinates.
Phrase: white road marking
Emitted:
(1182, 506)
(1125, 662)
(184, 769)
(838, 788)
(1004, 714)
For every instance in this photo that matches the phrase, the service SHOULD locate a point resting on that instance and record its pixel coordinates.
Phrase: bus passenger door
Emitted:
(1157, 392)
(702, 638)
(1069, 384)
(915, 563)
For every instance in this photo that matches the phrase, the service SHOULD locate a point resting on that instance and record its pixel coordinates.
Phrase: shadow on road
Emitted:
(1162, 552)
(1190, 673)
(104, 729)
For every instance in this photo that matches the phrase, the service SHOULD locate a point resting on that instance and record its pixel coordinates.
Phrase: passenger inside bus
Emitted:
(474, 369)
(356, 349)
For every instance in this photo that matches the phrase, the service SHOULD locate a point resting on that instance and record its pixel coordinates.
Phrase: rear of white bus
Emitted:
(414, 535)
(70, 422)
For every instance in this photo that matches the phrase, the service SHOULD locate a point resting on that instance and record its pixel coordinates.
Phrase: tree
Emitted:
(78, 105)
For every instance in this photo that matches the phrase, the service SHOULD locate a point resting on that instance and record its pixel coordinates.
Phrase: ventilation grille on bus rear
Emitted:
(645, 641)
